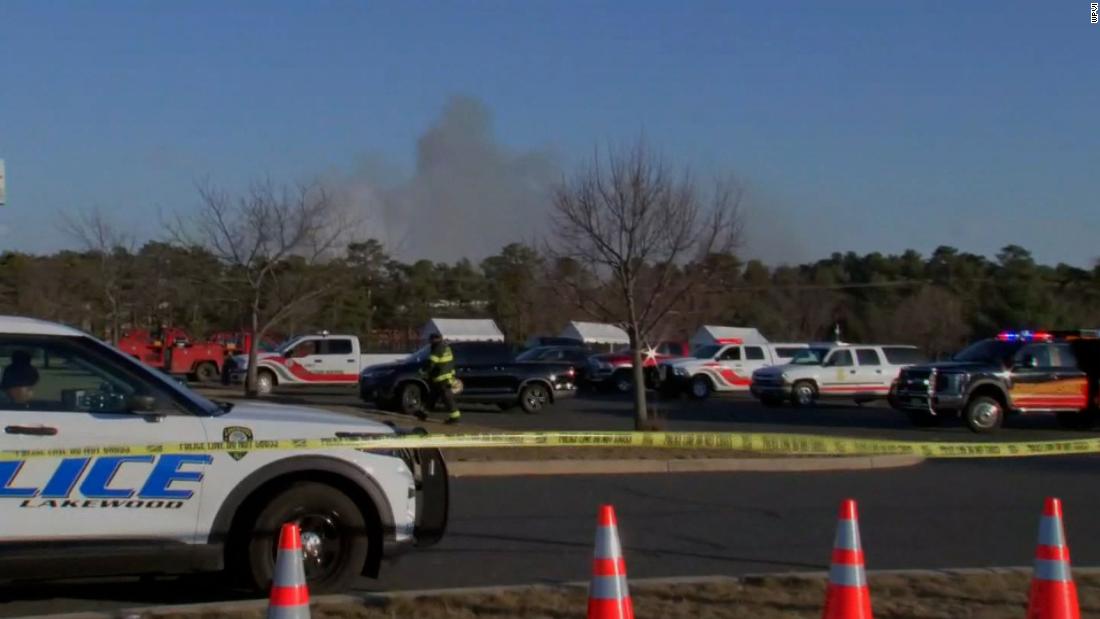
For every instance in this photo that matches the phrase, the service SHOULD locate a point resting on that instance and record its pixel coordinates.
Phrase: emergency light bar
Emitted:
(1024, 336)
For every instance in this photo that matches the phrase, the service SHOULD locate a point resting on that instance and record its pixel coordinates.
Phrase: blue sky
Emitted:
(865, 126)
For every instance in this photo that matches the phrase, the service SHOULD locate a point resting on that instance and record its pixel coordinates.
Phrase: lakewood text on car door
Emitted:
(1035, 382)
(338, 363)
(839, 373)
(83, 394)
(872, 376)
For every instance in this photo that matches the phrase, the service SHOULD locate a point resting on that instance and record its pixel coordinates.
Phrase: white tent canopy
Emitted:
(463, 329)
(712, 334)
(595, 333)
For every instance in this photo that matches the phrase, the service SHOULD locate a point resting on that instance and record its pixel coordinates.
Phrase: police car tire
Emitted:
(972, 415)
(298, 500)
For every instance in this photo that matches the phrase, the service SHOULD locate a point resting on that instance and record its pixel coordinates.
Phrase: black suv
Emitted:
(487, 372)
(1024, 372)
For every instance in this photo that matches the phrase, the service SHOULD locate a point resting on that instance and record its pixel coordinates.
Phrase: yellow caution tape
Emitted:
(764, 443)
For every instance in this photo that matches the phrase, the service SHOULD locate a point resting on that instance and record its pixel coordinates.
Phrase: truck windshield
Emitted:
(809, 356)
(989, 351)
(706, 352)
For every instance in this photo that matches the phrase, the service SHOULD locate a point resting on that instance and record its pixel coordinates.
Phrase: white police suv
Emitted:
(204, 510)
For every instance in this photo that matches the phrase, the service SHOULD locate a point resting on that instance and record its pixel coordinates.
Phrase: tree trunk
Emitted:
(250, 390)
(641, 415)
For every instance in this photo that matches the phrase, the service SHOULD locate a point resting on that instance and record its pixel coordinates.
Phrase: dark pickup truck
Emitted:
(1013, 373)
(487, 372)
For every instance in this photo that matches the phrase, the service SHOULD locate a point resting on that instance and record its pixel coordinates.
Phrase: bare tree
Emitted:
(635, 226)
(111, 247)
(267, 240)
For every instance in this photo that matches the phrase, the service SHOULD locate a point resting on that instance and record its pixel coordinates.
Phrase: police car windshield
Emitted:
(706, 352)
(809, 356)
(989, 351)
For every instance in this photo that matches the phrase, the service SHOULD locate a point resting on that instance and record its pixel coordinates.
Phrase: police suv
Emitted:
(144, 512)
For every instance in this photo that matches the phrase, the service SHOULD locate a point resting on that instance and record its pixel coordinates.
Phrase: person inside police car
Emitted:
(440, 368)
(19, 378)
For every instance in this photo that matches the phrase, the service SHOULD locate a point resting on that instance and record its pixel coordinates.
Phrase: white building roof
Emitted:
(714, 334)
(463, 329)
(595, 333)
(32, 326)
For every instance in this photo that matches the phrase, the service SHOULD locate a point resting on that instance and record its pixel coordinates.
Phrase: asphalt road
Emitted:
(602, 411)
(521, 530)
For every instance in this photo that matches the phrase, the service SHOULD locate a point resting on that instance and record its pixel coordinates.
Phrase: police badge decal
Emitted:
(237, 434)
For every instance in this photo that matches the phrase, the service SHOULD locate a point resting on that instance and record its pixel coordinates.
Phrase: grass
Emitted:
(933, 596)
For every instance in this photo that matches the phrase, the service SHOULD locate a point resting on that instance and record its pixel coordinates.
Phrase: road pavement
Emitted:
(741, 413)
(522, 530)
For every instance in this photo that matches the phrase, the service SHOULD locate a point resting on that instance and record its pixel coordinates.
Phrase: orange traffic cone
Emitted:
(289, 593)
(847, 596)
(608, 595)
(1053, 592)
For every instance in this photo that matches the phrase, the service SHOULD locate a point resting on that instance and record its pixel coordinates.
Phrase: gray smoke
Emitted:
(467, 197)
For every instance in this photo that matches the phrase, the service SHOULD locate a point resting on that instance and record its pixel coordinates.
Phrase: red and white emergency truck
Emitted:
(320, 359)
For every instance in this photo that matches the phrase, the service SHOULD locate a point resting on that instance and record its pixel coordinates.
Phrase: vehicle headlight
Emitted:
(785, 377)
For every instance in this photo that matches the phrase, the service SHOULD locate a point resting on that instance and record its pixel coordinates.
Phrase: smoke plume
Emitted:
(467, 197)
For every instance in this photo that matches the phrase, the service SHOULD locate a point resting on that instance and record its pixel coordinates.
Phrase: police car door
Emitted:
(839, 374)
(87, 395)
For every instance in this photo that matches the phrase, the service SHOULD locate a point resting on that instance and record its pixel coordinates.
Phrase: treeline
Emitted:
(938, 302)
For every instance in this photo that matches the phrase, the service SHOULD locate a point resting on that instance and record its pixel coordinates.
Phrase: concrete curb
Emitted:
(503, 468)
(635, 584)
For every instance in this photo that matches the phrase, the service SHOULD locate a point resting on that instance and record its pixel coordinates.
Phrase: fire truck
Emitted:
(172, 351)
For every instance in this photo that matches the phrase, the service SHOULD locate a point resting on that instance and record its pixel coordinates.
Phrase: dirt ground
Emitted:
(984, 596)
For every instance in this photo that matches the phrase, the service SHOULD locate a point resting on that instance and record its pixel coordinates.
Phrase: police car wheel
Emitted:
(984, 414)
(334, 537)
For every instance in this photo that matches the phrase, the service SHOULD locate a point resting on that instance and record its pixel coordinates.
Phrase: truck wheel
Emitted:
(984, 414)
(533, 398)
(803, 393)
(207, 372)
(623, 381)
(335, 538)
(265, 382)
(411, 400)
(700, 387)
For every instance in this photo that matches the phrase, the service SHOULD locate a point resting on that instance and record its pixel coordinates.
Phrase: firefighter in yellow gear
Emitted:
(440, 368)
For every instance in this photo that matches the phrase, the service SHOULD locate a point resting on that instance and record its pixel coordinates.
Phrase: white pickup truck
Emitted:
(320, 359)
(722, 367)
